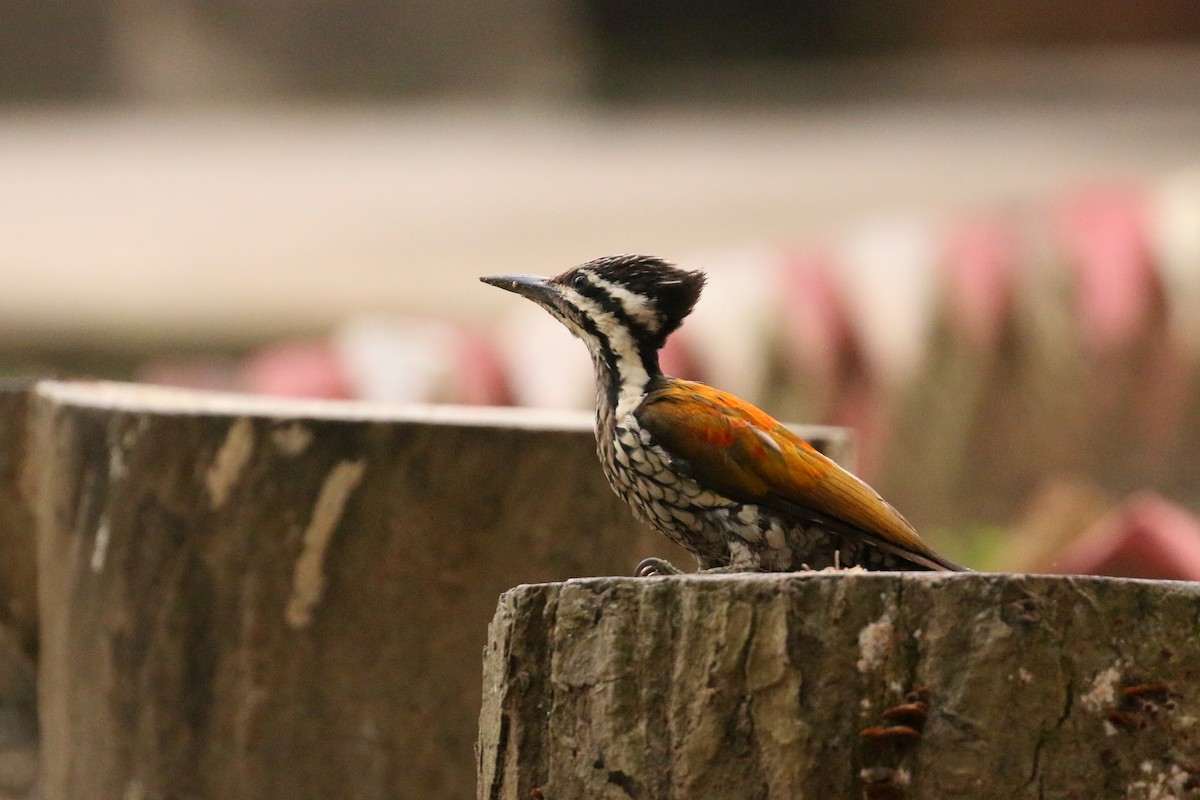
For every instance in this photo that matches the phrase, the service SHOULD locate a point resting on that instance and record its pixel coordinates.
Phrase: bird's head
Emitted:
(615, 301)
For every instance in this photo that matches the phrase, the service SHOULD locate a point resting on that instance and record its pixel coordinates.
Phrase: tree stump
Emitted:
(18, 720)
(18, 575)
(826, 685)
(18, 598)
(246, 598)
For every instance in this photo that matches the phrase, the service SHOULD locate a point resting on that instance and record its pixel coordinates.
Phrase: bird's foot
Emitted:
(649, 567)
(657, 566)
(855, 568)
(837, 565)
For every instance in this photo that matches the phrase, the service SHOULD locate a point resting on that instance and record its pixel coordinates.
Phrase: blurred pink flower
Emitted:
(981, 273)
(1147, 536)
(304, 368)
(1116, 285)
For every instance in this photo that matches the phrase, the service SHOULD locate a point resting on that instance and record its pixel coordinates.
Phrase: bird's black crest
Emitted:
(672, 291)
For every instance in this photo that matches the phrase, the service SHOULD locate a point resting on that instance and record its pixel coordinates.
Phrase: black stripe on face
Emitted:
(647, 341)
(613, 376)
(613, 306)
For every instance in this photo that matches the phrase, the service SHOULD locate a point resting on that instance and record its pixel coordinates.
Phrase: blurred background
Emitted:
(971, 233)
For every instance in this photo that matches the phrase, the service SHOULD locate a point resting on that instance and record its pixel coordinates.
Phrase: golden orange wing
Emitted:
(747, 455)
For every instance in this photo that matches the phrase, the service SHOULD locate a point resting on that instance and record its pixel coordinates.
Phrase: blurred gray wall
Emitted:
(183, 50)
(187, 49)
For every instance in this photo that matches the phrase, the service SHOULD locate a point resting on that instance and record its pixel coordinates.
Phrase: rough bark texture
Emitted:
(18, 576)
(18, 598)
(761, 686)
(18, 719)
(249, 599)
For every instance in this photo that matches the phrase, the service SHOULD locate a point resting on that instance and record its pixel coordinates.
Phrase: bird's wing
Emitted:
(747, 455)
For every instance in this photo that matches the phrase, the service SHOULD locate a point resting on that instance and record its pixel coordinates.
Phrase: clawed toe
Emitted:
(650, 567)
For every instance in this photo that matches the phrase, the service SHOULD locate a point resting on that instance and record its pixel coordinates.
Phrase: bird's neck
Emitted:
(624, 370)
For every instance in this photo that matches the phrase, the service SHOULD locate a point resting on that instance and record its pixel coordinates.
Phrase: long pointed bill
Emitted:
(534, 287)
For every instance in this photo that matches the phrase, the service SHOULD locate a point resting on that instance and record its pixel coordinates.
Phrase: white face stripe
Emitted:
(636, 306)
(630, 370)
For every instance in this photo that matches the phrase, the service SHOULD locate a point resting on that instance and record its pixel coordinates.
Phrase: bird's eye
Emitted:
(579, 281)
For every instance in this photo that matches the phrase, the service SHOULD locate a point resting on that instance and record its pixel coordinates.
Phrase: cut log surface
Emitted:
(246, 598)
(826, 685)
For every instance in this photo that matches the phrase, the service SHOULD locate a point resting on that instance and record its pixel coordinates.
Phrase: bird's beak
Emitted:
(534, 287)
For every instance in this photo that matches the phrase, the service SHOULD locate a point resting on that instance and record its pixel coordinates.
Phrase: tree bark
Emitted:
(255, 599)
(18, 598)
(877, 685)
(18, 719)
(18, 575)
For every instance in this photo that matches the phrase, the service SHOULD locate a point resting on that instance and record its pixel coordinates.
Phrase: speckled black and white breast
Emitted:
(659, 490)
(719, 531)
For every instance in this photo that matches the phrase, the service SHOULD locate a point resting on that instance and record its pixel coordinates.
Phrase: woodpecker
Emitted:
(715, 474)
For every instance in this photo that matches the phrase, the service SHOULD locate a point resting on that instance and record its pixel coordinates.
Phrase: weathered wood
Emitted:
(18, 719)
(255, 599)
(18, 598)
(779, 686)
(18, 574)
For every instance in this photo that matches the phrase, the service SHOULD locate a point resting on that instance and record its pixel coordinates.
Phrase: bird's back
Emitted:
(743, 455)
